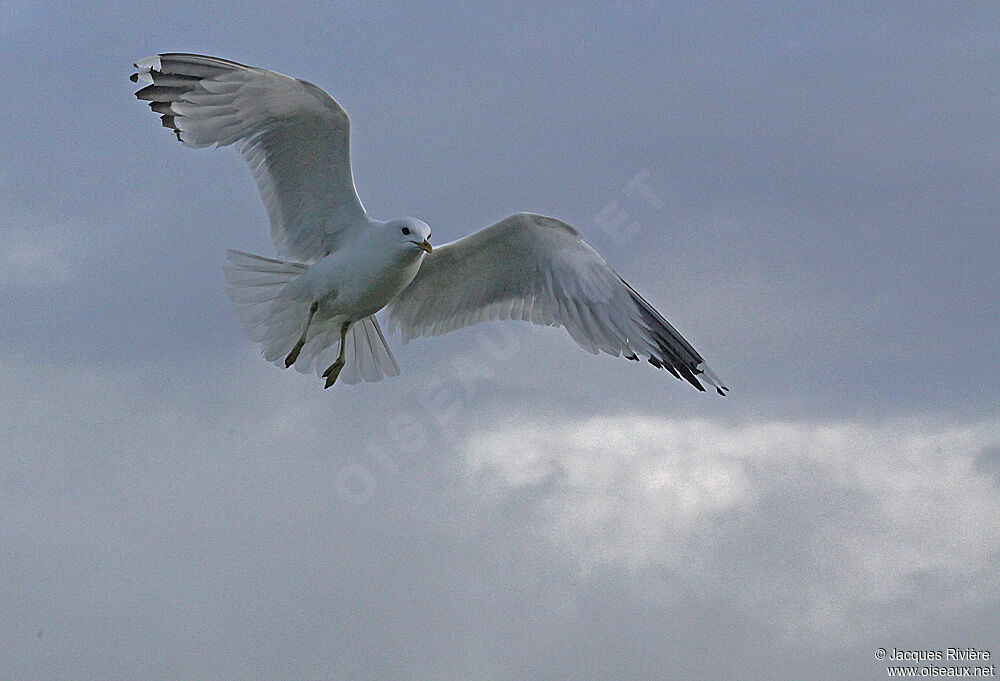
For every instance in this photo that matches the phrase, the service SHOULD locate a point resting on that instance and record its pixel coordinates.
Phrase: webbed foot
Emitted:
(333, 372)
(294, 354)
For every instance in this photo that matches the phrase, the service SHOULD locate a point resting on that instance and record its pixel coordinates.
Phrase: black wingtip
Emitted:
(134, 78)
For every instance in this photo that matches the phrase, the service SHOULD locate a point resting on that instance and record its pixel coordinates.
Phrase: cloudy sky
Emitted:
(820, 219)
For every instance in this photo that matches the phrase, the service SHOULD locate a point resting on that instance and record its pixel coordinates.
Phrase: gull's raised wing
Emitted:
(294, 137)
(539, 269)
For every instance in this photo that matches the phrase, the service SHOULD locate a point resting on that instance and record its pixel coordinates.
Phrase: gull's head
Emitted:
(410, 233)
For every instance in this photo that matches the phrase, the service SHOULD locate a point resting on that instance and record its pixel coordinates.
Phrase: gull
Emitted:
(314, 306)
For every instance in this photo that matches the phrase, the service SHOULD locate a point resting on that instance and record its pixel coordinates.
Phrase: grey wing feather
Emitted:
(294, 137)
(538, 269)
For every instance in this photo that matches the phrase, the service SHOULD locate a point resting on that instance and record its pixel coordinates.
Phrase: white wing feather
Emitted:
(539, 269)
(294, 137)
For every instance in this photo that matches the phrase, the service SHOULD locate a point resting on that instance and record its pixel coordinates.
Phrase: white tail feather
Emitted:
(255, 284)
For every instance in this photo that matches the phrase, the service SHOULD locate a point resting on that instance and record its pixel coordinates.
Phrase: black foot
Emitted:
(332, 373)
(294, 354)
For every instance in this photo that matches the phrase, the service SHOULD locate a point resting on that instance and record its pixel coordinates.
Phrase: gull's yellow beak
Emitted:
(426, 246)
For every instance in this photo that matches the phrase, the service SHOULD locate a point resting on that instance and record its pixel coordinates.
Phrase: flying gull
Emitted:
(314, 307)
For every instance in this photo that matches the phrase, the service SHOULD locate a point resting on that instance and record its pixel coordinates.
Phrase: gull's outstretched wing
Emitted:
(294, 137)
(539, 269)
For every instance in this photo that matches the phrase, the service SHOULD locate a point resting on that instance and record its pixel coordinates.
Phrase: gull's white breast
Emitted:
(357, 280)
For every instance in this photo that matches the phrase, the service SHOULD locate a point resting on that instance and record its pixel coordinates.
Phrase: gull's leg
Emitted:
(333, 371)
(294, 354)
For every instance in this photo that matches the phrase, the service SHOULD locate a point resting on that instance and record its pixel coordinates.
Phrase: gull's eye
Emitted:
(406, 231)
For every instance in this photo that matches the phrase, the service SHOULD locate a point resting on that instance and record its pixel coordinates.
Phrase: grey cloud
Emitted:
(147, 530)
(170, 506)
